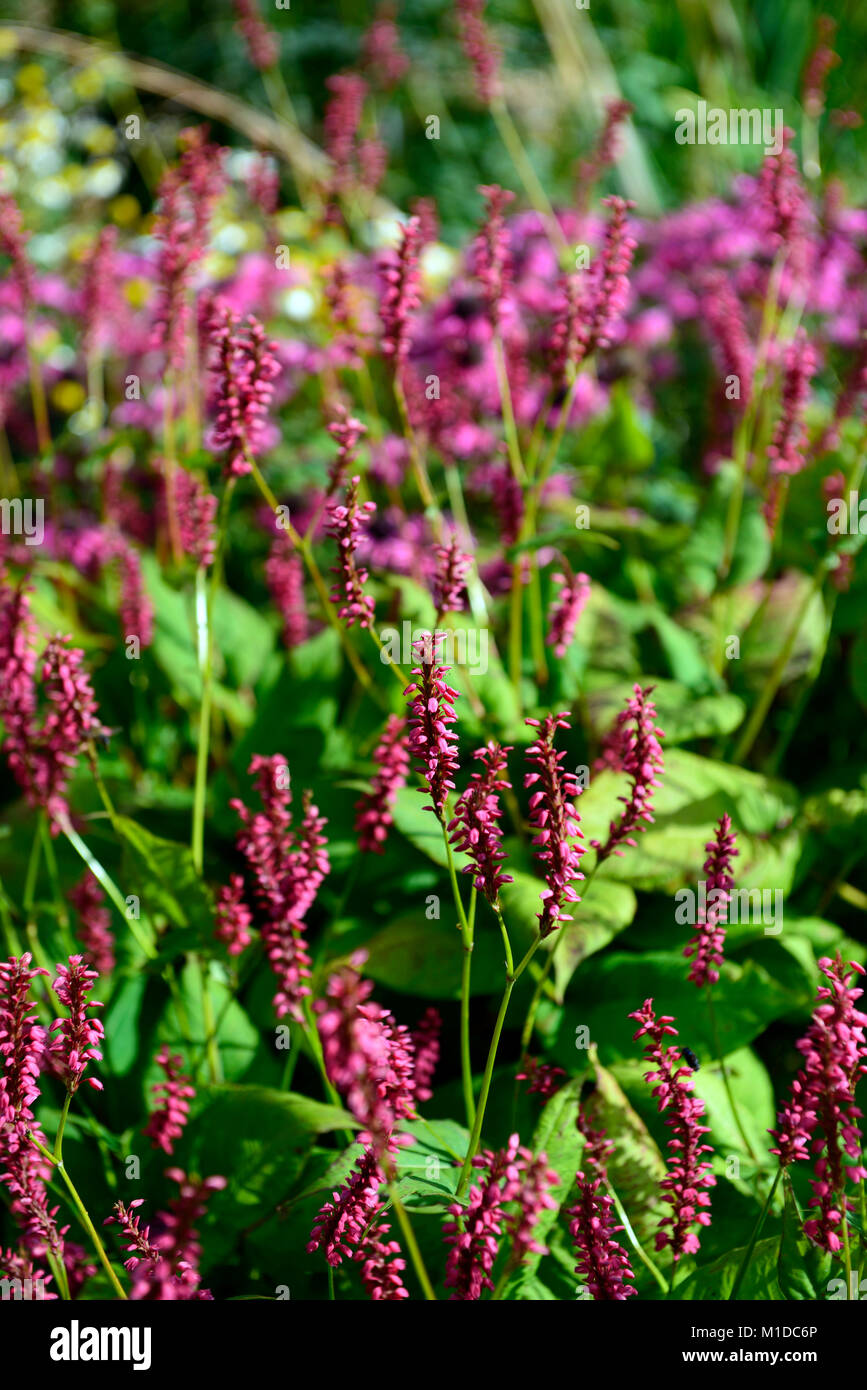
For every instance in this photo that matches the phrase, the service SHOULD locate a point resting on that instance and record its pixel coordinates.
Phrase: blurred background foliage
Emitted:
(562, 62)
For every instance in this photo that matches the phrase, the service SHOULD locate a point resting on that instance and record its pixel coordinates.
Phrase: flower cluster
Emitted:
(475, 829)
(369, 1058)
(689, 1174)
(373, 811)
(555, 822)
(79, 1036)
(603, 1264)
(94, 924)
(707, 944)
(288, 865)
(432, 714)
(821, 1116)
(566, 610)
(512, 1195)
(637, 751)
(346, 523)
(173, 1096)
(245, 368)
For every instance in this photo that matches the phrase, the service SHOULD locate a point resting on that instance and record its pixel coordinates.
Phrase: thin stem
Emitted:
(527, 174)
(757, 1230)
(466, 971)
(82, 1214)
(58, 1142)
(411, 1244)
(725, 1076)
(635, 1242)
(513, 974)
(775, 675)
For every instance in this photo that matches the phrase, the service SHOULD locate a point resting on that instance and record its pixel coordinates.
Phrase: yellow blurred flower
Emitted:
(68, 396)
(137, 291)
(124, 210)
(31, 79)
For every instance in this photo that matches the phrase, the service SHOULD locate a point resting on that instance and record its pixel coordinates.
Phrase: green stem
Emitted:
(635, 1242)
(757, 1230)
(513, 974)
(466, 971)
(58, 1142)
(82, 1214)
(775, 675)
(725, 1076)
(412, 1244)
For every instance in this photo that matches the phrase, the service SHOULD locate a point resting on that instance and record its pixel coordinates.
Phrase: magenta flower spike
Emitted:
(481, 49)
(513, 1192)
(475, 829)
(555, 822)
(689, 1173)
(173, 1096)
(234, 917)
(94, 928)
(637, 751)
(284, 575)
(288, 866)
(346, 523)
(369, 1058)
(490, 256)
(373, 811)
(79, 1036)
(351, 1227)
(432, 715)
(821, 1117)
(707, 943)
(450, 578)
(603, 1265)
(566, 609)
(401, 295)
(245, 367)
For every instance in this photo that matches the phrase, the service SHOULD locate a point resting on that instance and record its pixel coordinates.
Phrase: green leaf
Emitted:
(606, 908)
(428, 1174)
(237, 1038)
(682, 715)
(161, 873)
(610, 986)
(422, 957)
(714, 1282)
(695, 792)
(422, 828)
(258, 1138)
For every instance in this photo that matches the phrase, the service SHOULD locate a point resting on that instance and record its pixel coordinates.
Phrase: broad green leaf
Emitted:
(714, 1282)
(422, 957)
(161, 873)
(257, 1138)
(682, 715)
(611, 985)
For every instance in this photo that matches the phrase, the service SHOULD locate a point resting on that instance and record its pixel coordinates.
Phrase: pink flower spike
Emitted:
(346, 524)
(566, 609)
(173, 1095)
(707, 944)
(821, 1116)
(688, 1172)
(79, 1036)
(373, 812)
(637, 751)
(603, 1264)
(555, 822)
(432, 714)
